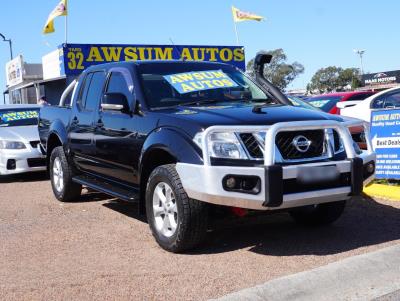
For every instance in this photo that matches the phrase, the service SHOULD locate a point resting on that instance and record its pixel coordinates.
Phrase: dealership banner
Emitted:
(385, 134)
(388, 77)
(77, 57)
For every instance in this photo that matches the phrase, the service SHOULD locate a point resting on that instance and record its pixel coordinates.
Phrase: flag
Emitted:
(240, 16)
(59, 10)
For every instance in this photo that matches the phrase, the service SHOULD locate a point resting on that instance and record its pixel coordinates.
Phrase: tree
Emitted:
(350, 77)
(278, 72)
(334, 78)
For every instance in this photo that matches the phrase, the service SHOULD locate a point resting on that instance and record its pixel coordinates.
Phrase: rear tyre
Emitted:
(61, 177)
(318, 215)
(177, 222)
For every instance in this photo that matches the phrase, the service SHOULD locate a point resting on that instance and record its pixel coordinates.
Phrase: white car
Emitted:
(19, 140)
(361, 109)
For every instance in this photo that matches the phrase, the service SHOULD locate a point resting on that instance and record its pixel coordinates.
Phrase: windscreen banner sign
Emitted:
(385, 133)
(199, 80)
(78, 57)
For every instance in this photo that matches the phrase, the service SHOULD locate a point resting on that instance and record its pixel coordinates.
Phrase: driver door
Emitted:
(117, 149)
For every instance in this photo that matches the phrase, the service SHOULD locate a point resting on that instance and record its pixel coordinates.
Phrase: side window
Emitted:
(360, 96)
(393, 100)
(95, 91)
(118, 84)
(84, 90)
(378, 102)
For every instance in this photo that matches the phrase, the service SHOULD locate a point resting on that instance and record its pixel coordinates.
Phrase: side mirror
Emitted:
(115, 102)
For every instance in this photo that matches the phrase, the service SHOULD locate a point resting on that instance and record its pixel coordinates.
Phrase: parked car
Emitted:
(19, 140)
(388, 99)
(181, 138)
(357, 132)
(328, 102)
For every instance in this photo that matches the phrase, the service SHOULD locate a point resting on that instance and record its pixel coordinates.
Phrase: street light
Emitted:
(9, 43)
(360, 52)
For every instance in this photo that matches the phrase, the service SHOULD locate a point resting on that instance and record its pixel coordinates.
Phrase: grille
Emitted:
(284, 142)
(251, 145)
(36, 162)
(34, 144)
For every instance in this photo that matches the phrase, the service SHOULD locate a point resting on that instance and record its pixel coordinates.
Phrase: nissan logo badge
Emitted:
(301, 143)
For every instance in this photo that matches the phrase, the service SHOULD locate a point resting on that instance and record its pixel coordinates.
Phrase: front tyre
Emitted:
(318, 215)
(177, 222)
(61, 177)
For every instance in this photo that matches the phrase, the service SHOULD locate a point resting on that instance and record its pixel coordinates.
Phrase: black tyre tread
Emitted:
(72, 190)
(195, 216)
(322, 214)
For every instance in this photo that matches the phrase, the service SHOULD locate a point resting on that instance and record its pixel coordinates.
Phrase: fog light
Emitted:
(230, 182)
(370, 168)
(11, 164)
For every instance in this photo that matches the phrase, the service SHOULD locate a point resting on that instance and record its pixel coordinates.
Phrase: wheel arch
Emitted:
(164, 146)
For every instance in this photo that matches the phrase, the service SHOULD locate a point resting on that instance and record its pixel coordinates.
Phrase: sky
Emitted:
(314, 33)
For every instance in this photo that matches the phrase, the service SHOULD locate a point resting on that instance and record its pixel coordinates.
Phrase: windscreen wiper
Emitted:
(258, 108)
(199, 102)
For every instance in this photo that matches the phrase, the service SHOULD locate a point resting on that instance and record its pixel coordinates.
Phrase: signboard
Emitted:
(15, 71)
(385, 133)
(199, 81)
(78, 57)
(53, 64)
(389, 77)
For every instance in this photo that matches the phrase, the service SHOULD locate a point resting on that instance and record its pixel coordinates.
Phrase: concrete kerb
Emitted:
(390, 192)
(362, 277)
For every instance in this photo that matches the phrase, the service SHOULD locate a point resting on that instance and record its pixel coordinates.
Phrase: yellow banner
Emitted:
(59, 10)
(240, 16)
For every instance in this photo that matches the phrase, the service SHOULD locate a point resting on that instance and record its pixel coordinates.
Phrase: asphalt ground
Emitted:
(101, 249)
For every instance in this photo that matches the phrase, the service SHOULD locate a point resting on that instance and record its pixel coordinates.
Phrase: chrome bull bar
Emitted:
(271, 131)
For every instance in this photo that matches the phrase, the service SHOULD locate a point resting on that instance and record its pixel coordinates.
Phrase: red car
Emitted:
(327, 102)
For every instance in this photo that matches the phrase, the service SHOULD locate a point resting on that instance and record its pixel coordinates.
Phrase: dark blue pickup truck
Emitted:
(181, 138)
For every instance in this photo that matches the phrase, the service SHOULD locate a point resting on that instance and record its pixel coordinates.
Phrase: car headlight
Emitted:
(222, 145)
(11, 145)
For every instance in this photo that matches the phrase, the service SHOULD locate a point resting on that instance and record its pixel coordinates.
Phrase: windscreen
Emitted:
(18, 117)
(173, 84)
(325, 103)
(298, 102)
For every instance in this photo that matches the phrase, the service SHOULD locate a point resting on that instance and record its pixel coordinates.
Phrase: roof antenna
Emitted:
(176, 48)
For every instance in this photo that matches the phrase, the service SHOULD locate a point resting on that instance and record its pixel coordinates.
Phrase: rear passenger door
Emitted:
(82, 124)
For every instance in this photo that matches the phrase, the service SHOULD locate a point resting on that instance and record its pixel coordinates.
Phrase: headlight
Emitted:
(222, 145)
(11, 145)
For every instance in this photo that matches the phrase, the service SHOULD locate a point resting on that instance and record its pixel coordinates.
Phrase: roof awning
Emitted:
(33, 83)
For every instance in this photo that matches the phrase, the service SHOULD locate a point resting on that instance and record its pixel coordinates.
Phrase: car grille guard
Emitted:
(273, 144)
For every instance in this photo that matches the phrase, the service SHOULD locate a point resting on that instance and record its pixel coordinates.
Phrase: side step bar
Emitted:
(129, 195)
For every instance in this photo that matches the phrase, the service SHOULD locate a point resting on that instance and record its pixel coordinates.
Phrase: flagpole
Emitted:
(66, 28)
(236, 33)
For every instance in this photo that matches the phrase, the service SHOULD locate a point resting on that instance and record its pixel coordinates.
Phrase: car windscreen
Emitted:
(298, 102)
(18, 117)
(172, 84)
(325, 103)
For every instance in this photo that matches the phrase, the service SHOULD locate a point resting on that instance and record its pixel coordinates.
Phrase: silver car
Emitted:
(19, 140)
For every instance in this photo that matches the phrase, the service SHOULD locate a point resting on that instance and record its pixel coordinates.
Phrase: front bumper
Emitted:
(26, 160)
(279, 186)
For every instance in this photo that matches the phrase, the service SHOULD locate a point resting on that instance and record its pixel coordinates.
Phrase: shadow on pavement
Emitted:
(365, 222)
(129, 209)
(25, 177)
